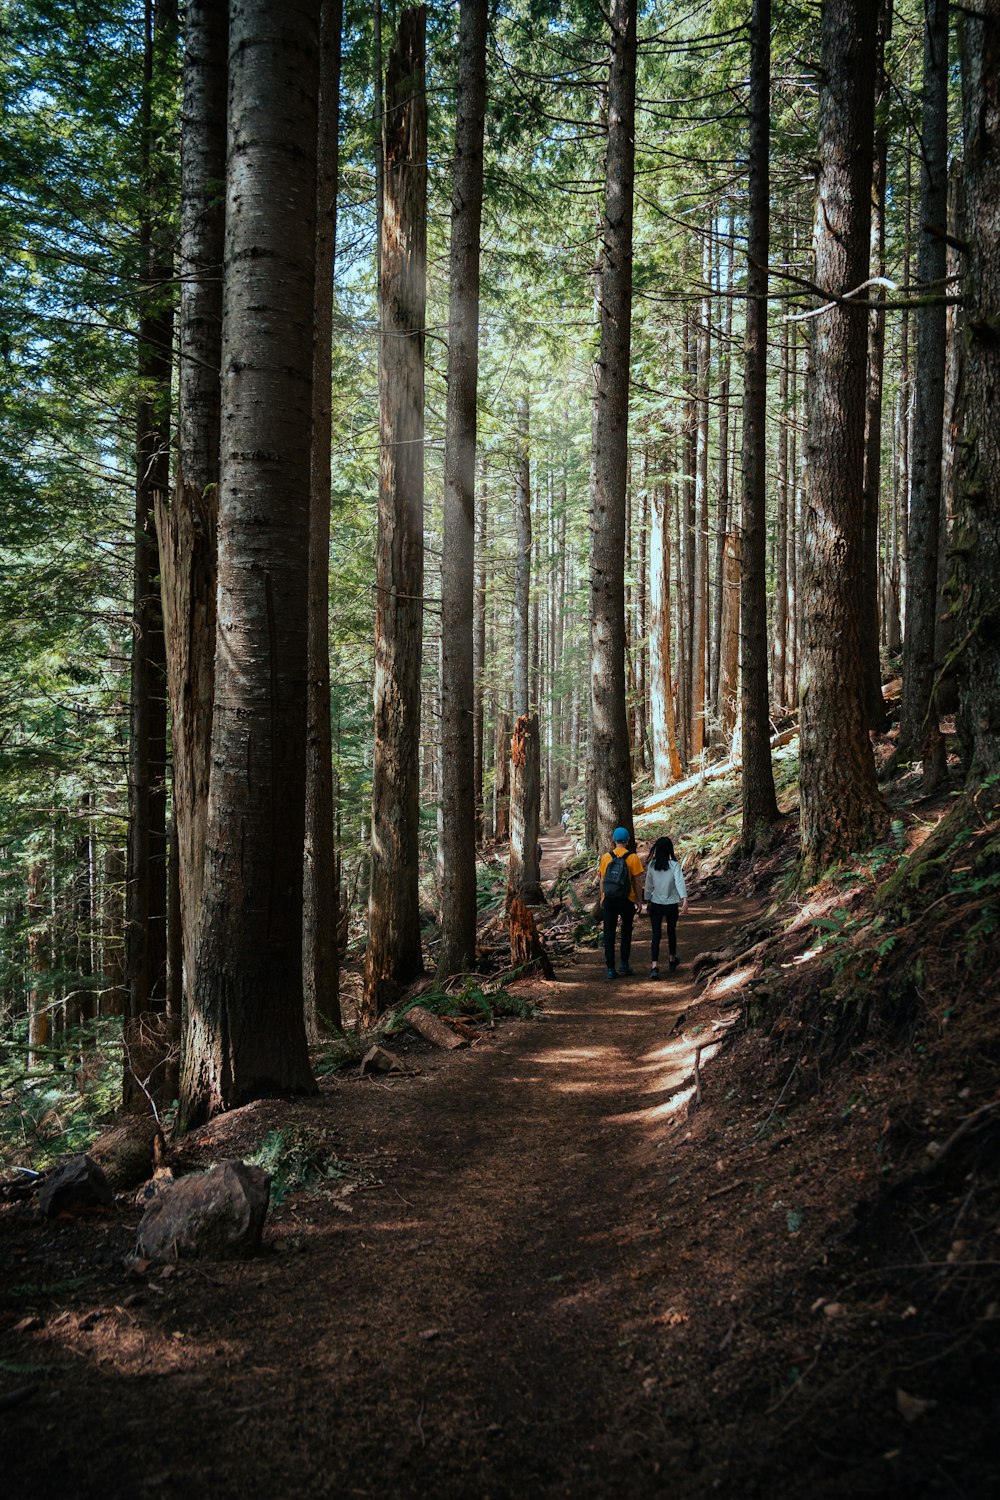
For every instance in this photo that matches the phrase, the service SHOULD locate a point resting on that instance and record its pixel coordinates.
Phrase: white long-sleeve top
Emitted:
(665, 887)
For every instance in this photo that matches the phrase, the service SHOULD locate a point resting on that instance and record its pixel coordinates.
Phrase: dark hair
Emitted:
(662, 853)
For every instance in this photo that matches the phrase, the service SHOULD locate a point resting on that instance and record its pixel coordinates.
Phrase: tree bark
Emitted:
(146, 884)
(393, 956)
(246, 1036)
(840, 807)
(479, 660)
(458, 757)
(320, 893)
(501, 780)
(525, 786)
(609, 466)
(39, 940)
(977, 538)
(760, 807)
(919, 729)
(188, 529)
(729, 656)
(699, 636)
(870, 632)
(522, 559)
(666, 759)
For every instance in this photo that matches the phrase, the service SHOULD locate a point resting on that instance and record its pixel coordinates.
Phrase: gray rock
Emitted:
(77, 1185)
(216, 1215)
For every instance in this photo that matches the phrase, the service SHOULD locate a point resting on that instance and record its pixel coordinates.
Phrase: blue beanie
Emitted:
(621, 835)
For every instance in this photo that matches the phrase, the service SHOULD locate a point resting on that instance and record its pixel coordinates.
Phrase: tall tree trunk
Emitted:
(729, 656)
(320, 914)
(479, 657)
(393, 956)
(525, 787)
(146, 886)
(39, 940)
(246, 1034)
(666, 759)
(188, 529)
(779, 648)
(840, 806)
(522, 560)
(113, 933)
(642, 633)
(609, 465)
(871, 661)
(699, 638)
(458, 768)
(501, 780)
(919, 729)
(722, 512)
(977, 541)
(760, 807)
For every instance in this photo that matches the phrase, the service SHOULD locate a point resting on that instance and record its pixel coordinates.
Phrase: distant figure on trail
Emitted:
(621, 876)
(564, 820)
(663, 889)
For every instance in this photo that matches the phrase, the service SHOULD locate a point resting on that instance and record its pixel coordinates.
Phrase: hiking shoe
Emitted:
(612, 974)
(673, 964)
(625, 969)
(654, 972)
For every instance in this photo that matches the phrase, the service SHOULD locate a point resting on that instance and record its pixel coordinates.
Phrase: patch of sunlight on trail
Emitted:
(576, 1054)
(672, 1082)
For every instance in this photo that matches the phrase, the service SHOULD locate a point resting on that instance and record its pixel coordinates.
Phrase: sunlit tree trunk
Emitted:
(525, 788)
(840, 807)
(479, 658)
(39, 939)
(458, 750)
(666, 760)
(188, 528)
(522, 560)
(729, 656)
(146, 886)
(246, 1034)
(320, 913)
(393, 956)
(919, 729)
(760, 807)
(610, 764)
(871, 662)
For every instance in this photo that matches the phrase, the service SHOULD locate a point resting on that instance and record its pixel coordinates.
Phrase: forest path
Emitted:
(482, 1318)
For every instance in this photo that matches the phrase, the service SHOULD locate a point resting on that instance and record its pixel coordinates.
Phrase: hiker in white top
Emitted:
(664, 889)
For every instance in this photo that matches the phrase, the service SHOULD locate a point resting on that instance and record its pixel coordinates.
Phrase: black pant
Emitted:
(615, 907)
(656, 915)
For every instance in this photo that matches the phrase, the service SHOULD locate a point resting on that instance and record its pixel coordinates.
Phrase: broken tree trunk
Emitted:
(526, 946)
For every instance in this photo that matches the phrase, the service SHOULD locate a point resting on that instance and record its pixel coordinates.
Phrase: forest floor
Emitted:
(598, 1253)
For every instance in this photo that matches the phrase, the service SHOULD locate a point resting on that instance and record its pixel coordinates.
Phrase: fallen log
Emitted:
(433, 1029)
(667, 795)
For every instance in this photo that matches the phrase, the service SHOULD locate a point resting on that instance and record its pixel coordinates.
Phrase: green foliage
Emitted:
(57, 1110)
(296, 1157)
(470, 1000)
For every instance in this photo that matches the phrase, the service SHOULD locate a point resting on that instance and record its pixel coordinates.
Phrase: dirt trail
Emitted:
(477, 1325)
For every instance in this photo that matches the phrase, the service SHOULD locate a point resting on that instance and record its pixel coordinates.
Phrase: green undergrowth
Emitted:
(897, 940)
(58, 1107)
(472, 1001)
(298, 1158)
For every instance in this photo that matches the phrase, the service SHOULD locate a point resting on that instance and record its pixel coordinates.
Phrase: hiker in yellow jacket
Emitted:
(621, 897)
